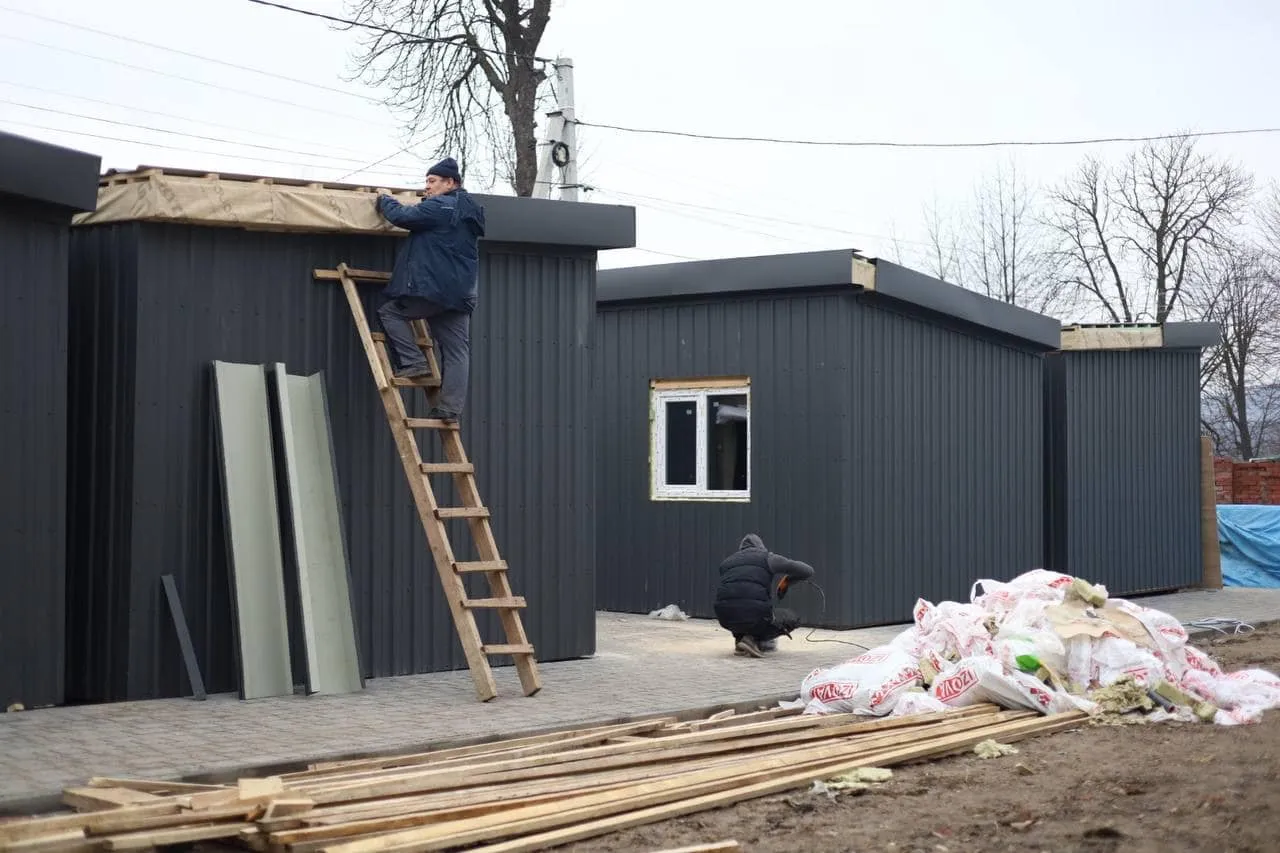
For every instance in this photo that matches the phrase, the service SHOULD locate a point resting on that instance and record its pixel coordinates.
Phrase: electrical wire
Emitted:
(834, 143)
(327, 167)
(707, 221)
(222, 62)
(1221, 625)
(809, 637)
(336, 159)
(161, 114)
(194, 80)
(389, 31)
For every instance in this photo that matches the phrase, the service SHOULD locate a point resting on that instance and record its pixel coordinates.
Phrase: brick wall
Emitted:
(1246, 482)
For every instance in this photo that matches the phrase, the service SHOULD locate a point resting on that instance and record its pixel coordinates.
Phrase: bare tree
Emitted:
(451, 64)
(1243, 297)
(1008, 258)
(996, 246)
(1132, 237)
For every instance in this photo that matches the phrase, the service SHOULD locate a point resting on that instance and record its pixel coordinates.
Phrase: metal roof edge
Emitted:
(923, 291)
(48, 173)
(725, 276)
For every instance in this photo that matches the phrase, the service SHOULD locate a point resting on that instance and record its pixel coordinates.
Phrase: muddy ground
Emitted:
(1158, 787)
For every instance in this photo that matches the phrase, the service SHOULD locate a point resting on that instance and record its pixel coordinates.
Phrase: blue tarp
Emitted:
(1249, 539)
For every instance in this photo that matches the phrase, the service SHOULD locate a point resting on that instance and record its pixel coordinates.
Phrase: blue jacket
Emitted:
(440, 258)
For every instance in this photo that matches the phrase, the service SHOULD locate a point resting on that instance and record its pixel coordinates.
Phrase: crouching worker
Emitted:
(744, 598)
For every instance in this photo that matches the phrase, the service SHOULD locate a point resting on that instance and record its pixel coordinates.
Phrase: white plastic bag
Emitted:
(1116, 657)
(1041, 584)
(1166, 632)
(951, 628)
(982, 679)
(1241, 696)
(868, 684)
(916, 703)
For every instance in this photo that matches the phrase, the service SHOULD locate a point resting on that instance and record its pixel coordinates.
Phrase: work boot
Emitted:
(747, 646)
(768, 645)
(417, 372)
(439, 414)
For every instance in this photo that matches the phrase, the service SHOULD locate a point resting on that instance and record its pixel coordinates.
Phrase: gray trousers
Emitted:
(451, 331)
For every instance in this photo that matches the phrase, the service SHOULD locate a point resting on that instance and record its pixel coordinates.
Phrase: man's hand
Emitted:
(782, 588)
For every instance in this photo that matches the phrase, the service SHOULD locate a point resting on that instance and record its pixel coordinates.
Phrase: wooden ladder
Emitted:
(434, 516)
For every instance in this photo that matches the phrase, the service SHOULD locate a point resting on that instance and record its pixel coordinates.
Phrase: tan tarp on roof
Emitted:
(239, 201)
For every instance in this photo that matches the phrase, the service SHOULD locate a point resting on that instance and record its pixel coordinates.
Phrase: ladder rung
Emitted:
(481, 566)
(507, 649)
(381, 337)
(447, 468)
(514, 603)
(429, 423)
(417, 382)
(462, 512)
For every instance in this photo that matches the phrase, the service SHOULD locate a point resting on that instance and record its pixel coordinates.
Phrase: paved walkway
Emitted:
(642, 667)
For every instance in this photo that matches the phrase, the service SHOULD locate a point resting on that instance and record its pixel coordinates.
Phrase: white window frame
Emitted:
(695, 391)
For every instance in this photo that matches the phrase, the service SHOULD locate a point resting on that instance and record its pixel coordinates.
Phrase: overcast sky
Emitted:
(845, 69)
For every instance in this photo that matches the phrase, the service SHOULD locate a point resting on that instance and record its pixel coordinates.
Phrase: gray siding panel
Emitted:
(899, 458)
(33, 382)
(201, 294)
(1127, 503)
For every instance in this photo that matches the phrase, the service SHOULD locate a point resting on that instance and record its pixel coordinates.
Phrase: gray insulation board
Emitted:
(253, 529)
(324, 588)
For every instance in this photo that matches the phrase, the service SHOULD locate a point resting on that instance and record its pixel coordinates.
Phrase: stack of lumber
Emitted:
(529, 793)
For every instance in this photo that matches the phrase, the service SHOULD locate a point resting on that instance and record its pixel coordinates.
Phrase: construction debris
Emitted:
(993, 749)
(519, 794)
(1046, 642)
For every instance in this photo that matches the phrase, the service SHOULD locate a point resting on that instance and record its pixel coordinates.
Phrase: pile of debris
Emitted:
(1048, 642)
(529, 793)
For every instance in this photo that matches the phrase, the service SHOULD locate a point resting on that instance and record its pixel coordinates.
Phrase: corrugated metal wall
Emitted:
(33, 377)
(1125, 495)
(900, 458)
(201, 294)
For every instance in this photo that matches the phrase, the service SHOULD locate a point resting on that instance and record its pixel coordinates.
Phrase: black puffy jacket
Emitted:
(748, 578)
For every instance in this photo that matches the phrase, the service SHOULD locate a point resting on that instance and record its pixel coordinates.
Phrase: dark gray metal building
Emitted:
(156, 301)
(41, 187)
(877, 423)
(1123, 462)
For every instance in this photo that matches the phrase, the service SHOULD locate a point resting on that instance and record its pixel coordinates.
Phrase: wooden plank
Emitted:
(596, 758)
(355, 275)
(243, 428)
(430, 423)
(514, 602)
(183, 835)
(727, 846)
(462, 512)
(192, 666)
(152, 786)
(447, 468)
(717, 782)
(507, 649)
(700, 383)
(592, 828)
(546, 742)
(481, 566)
(95, 799)
(319, 547)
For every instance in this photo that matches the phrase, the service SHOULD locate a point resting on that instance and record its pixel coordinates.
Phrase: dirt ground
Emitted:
(1157, 787)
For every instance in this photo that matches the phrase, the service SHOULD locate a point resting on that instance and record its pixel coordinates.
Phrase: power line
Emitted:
(181, 77)
(297, 80)
(334, 158)
(792, 222)
(410, 36)
(327, 167)
(674, 211)
(886, 144)
(162, 114)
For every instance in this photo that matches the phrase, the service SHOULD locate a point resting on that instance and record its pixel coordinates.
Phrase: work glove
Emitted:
(782, 588)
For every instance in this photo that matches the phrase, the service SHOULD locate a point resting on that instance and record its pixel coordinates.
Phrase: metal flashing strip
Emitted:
(311, 483)
(252, 529)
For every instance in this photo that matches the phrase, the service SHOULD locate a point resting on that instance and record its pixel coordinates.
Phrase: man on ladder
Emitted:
(435, 279)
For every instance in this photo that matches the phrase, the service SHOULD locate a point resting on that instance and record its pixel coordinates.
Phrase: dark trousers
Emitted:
(451, 331)
(778, 622)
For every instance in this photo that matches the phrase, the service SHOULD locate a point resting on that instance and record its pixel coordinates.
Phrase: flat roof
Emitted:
(52, 174)
(1128, 336)
(263, 203)
(877, 278)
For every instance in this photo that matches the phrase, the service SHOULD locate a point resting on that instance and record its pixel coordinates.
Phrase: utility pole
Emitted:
(560, 148)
